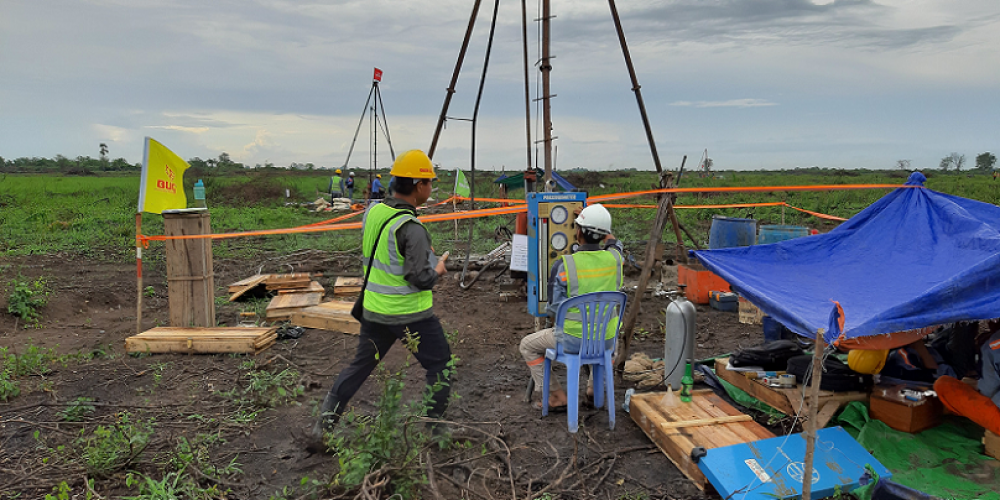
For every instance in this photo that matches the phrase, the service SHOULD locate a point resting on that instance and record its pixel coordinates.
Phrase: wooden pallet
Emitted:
(284, 304)
(334, 316)
(346, 286)
(202, 340)
(286, 281)
(313, 286)
(707, 422)
(788, 401)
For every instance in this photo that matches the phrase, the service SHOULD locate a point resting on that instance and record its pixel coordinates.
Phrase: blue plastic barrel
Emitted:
(728, 232)
(776, 233)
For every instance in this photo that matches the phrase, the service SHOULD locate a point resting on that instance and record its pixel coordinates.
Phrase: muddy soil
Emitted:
(92, 310)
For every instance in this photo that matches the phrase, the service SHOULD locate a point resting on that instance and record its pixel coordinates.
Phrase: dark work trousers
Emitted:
(433, 353)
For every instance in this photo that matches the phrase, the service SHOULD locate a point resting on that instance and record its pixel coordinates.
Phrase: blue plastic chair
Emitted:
(597, 310)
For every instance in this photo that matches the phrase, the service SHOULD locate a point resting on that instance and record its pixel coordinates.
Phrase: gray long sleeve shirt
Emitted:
(989, 384)
(418, 264)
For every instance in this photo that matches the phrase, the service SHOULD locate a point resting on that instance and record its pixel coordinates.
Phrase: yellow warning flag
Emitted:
(162, 186)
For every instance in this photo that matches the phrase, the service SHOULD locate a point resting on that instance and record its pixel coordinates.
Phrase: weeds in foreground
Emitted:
(269, 389)
(26, 297)
(77, 410)
(389, 444)
(109, 449)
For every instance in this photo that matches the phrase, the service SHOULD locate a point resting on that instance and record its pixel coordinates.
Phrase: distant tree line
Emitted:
(81, 165)
(984, 162)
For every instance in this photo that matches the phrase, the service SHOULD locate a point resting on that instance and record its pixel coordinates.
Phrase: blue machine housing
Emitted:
(541, 231)
(773, 468)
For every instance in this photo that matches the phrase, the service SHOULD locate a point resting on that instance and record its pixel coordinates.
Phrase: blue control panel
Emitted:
(551, 234)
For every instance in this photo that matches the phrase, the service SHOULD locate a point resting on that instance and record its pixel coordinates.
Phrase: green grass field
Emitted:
(95, 215)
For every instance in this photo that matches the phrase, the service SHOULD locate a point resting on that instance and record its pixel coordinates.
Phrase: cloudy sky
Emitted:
(759, 83)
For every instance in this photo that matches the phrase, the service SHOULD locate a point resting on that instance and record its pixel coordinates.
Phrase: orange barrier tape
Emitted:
(745, 189)
(492, 200)
(471, 214)
(734, 205)
(335, 219)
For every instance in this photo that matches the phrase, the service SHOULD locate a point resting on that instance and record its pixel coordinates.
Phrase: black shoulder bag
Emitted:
(358, 311)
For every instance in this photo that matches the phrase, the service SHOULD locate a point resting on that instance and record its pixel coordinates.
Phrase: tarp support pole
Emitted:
(813, 423)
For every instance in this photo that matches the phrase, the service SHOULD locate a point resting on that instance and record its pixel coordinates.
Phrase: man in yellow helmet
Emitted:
(336, 185)
(398, 300)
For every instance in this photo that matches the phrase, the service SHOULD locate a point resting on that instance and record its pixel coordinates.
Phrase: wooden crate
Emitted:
(243, 286)
(284, 304)
(347, 286)
(202, 340)
(788, 401)
(707, 422)
(910, 416)
(750, 314)
(334, 316)
(992, 442)
(699, 282)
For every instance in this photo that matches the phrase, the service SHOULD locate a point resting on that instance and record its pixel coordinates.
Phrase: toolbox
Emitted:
(904, 415)
(724, 301)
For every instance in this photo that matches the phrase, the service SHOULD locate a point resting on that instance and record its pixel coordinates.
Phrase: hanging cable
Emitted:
(475, 117)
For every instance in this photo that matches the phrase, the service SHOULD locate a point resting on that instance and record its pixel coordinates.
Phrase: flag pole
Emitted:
(138, 273)
(454, 201)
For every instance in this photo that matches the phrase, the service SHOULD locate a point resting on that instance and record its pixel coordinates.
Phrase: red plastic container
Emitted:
(700, 282)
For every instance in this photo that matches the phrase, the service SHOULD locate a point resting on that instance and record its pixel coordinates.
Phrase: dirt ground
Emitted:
(92, 309)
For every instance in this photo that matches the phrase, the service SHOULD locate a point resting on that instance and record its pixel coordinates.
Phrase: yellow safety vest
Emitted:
(591, 271)
(388, 293)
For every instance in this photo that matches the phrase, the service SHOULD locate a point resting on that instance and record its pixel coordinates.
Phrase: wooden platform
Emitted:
(788, 401)
(202, 340)
(707, 422)
(334, 316)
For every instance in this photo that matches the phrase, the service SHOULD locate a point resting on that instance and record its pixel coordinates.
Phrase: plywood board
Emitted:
(334, 316)
(286, 281)
(788, 401)
(669, 429)
(313, 286)
(202, 340)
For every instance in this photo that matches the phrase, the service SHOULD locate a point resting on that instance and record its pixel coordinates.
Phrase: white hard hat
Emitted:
(595, 218)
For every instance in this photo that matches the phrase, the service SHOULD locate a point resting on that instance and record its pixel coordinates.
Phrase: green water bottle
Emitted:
(199, 194)
(687, 384)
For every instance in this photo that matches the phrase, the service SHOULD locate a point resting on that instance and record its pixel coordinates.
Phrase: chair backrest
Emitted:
(597, 310)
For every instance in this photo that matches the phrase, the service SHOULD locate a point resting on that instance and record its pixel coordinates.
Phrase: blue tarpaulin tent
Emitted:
(913, 259)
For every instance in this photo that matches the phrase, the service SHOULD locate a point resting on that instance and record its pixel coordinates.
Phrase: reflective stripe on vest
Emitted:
(591, 271)
(388, 292)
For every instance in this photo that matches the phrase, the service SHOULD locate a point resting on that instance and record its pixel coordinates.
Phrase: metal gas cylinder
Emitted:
(679, 328)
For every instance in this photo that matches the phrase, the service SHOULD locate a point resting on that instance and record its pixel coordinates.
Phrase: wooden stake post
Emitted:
(190, 280)
(664, 211)
(813, 422)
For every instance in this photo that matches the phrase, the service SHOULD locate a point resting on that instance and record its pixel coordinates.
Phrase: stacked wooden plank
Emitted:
(202, 340)
(334, 316)
(275, 283)
(707, 422)
(347, 287)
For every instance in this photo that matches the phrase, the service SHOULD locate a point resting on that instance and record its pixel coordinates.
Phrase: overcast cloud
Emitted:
(759, 83)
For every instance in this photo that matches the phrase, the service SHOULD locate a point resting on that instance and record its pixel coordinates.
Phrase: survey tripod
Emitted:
(373, 106)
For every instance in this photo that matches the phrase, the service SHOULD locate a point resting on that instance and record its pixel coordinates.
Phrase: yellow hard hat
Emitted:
(378, 176)
(414, 164)
(338, 170)
(868, 362)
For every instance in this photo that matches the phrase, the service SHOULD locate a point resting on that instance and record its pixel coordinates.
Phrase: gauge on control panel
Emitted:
(559, 214)
(559, 240)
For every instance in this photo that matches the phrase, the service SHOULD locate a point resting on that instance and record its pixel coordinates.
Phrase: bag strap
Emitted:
(375, 247)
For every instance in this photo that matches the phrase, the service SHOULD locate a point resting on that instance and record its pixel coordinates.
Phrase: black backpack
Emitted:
(770, 356)
(837, 377)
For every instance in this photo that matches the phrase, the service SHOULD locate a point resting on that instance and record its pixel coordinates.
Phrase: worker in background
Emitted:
(392, 185)
(982, 407)
(377, 192)
(336, 185)
(349, 185)
(397, 300)
(589, 269)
